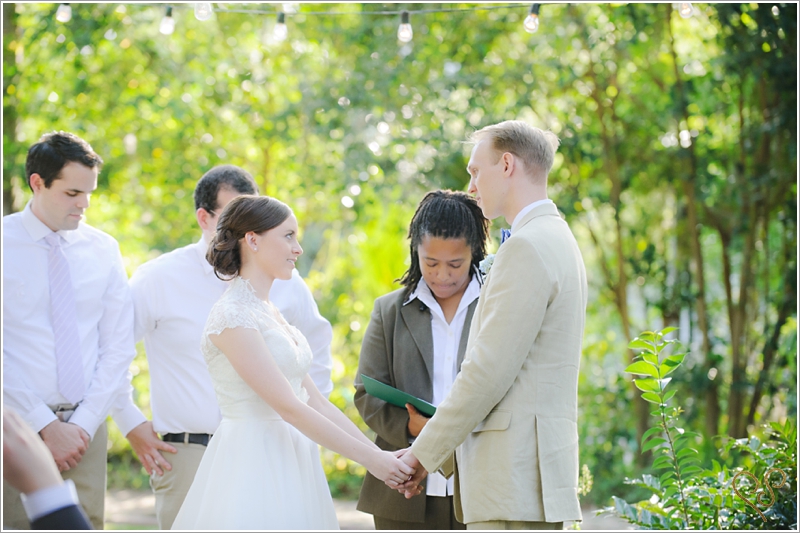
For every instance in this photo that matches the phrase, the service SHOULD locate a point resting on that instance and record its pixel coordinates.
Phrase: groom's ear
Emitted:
(509, 162)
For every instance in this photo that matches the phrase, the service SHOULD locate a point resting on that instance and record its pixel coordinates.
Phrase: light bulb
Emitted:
(203, 10)
(64, 13)
(404, 31)
(167, 23)
(685, 9)
(531, 23)
(281, 31)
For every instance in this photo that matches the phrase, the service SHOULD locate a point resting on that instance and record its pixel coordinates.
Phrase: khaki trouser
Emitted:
(515, 524)
(171, 488)
(90, 482)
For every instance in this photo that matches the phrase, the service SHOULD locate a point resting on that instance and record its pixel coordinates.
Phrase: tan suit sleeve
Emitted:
(511, 312)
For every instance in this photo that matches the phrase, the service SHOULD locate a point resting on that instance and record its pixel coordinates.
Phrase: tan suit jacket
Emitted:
(397, 349)
(512, 412)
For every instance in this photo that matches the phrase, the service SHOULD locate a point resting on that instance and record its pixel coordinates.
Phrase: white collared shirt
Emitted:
(527, 209)
(49, 499)
(173, 295)
(104, 321)
(446, 338)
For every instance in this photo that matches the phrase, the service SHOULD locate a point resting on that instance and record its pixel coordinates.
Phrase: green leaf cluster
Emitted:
(684, 493)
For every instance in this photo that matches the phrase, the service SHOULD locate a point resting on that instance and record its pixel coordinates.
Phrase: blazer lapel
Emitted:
(419, 325)
(462, 345)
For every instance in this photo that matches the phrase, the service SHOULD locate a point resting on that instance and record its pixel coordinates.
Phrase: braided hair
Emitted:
(448, 215)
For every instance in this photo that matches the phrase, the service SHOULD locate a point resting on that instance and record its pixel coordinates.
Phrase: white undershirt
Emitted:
(446, 338)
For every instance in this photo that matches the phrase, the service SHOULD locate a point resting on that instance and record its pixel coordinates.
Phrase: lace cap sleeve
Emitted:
(229, 315)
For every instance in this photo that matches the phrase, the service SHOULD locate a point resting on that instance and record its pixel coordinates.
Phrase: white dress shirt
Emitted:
(173, 295)
(446, 338)
(49, 499)
(104, 320)
(527, 209)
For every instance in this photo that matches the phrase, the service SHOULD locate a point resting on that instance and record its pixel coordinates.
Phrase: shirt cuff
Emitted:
(49, 499)
(40, 417)
(86, 420)
(128, 418)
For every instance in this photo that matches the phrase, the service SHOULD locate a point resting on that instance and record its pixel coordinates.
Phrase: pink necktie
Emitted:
(63, 313)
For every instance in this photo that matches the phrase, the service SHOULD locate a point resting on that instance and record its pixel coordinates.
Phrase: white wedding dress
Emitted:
(258, 472)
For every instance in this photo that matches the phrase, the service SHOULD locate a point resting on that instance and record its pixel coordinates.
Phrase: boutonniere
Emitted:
(486, 265)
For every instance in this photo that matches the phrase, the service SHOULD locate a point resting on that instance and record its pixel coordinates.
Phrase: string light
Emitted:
(203, 10)
(685, 9)
(281, 31)
(167, 23)
(531, 23)
(404, 31)
(64, 13)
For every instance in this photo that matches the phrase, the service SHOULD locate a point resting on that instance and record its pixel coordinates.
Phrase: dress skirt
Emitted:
(258, 473)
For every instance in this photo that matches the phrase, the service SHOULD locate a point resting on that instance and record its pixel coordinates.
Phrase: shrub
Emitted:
(762, 495)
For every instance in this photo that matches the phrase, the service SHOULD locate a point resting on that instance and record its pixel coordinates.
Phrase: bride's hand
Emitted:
(389, 469)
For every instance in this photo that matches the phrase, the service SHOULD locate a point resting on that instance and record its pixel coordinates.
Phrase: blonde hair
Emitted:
(536, 148)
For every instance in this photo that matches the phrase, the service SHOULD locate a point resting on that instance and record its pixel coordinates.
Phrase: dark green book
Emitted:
(389, 394)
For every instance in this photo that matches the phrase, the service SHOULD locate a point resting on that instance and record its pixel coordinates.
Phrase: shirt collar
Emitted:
(38, 230)
(423, 294)
(527, 209)
(201, 247)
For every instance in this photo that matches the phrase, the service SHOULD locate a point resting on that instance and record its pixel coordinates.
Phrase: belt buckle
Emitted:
(64, 411)
(65, 415)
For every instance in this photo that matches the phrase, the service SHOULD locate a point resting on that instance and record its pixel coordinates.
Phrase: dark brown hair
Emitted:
(53, 151)
(242, 215)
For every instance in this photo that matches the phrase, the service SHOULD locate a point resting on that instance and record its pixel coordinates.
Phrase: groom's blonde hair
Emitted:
(536, 148)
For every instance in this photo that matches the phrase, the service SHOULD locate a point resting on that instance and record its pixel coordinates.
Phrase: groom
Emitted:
(511, 416)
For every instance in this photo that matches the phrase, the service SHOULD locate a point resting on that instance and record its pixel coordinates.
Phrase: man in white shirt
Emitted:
(173, 295)
(67, 320)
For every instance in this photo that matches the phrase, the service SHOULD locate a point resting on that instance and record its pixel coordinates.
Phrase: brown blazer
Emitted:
(398, 350)
(512, 412)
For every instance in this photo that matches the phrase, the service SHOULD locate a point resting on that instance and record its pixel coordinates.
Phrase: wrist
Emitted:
(52, 498)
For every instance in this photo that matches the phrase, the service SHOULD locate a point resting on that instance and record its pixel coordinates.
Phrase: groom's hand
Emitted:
(412, 486)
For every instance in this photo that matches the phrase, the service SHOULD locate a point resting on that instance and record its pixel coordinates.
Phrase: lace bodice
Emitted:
(239, 307)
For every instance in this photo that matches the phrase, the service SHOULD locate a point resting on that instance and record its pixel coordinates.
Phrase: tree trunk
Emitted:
(9, 105)
(688, 186)
(771, 346)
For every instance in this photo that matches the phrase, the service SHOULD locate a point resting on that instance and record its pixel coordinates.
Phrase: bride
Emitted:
(261, 469)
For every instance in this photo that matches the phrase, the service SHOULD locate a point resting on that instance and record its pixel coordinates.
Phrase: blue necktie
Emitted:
(504, 234)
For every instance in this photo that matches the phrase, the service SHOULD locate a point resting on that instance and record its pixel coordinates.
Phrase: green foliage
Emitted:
(340, 112)
(685, 495)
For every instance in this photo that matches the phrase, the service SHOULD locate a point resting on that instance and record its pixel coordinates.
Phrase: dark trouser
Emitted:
(439, 514)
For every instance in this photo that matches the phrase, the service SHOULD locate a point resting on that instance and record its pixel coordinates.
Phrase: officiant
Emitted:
(415, 342)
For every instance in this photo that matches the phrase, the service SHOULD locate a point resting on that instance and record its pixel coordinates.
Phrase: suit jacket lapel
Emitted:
(462, 345)
(419, 325)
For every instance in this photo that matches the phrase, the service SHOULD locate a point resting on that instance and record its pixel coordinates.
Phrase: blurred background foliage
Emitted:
(677, 169)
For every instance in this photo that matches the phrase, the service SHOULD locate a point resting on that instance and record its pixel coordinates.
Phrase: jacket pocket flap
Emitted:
(494, 421)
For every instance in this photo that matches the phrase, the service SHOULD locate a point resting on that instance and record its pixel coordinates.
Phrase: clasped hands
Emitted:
(411, 487)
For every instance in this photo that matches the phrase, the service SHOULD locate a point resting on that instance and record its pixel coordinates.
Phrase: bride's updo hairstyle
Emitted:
(242, 215)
